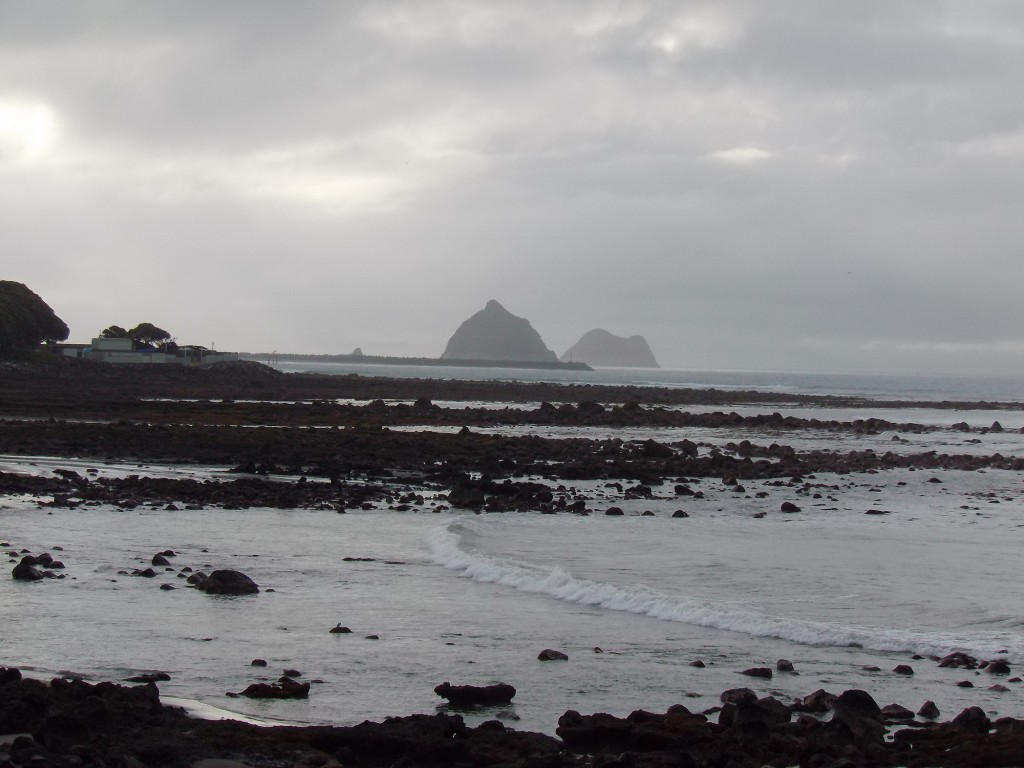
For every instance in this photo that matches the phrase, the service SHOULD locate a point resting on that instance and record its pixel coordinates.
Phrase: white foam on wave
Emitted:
(448, 550)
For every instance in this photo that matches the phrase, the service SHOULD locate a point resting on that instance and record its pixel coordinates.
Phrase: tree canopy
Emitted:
(26, 321)
(143, 335)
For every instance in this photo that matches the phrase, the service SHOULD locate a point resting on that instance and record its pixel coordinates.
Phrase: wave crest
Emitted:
(554, 581)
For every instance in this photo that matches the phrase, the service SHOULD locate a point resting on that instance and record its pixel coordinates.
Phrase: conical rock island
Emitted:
(494, 333)
(603, 348)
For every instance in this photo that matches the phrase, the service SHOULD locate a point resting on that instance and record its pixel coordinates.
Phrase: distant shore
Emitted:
(263, 357)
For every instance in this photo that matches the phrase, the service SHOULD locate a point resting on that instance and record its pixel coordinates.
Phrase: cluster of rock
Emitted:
(495, 334)
(74, 723)
(35, 567)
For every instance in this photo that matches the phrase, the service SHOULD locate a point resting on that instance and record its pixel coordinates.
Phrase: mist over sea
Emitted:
(633, 600)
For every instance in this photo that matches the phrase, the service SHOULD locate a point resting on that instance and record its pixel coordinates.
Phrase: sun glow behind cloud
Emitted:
(28, 130)
(740, 155)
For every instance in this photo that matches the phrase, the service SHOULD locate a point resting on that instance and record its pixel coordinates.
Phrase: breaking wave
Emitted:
(447, 548)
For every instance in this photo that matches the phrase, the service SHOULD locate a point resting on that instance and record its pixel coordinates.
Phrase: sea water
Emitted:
(472, 599)
(921, 387)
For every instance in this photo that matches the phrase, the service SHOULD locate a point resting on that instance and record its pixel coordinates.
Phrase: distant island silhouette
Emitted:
(494, 333)
(603, 348)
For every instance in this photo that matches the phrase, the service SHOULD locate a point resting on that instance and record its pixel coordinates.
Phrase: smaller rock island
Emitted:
(603, 348)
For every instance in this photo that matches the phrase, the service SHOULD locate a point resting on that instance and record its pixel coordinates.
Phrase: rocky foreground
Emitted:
(75, 723)
(339, 430)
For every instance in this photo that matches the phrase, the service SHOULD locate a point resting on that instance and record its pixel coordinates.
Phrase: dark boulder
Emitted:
(476, 695)
(973, 719)
(26, 570)
(998, 667)
(859, 712)
(738, 695)
(896, 712)
(677, 729)
(959, 660)
(228, 582)
(549, 654)
(818, 702)
(286, 689)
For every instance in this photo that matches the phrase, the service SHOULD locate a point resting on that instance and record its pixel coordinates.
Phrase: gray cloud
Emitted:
(800, 185)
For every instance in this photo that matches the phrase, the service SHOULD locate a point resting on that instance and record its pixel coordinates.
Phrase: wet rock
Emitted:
(997, 667)
(777, 711)
(859, 712)
(896, 712)
(788, 506)
(26, 570)
(763, 672)
(738, 695)
(227, 582)
(338, 629)
(928, 710)
(149, 677)
(903, 669)
(818, 702)
(476, 695)
(549, 654)
(784, 665)
(972, 719)
(958, 660)
(640, 732)
(285, 689)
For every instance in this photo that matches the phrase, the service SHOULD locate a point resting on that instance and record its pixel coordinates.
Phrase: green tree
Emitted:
(148, 335)
(26, 321)
(115, 332)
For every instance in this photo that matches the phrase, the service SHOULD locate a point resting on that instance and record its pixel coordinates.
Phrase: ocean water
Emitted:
(472, 599)
(966, 388)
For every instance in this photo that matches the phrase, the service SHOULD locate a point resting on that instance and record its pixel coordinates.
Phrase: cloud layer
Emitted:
(792, 185)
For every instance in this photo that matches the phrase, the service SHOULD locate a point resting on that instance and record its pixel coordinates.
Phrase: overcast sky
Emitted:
(814, 186)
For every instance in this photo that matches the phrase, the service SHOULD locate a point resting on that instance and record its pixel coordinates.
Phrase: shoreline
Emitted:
(290, 445)
(72, 722)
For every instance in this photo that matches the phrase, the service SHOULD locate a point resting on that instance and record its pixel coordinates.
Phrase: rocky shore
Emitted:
(351, 431)
(339, 443)
(75, 723)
